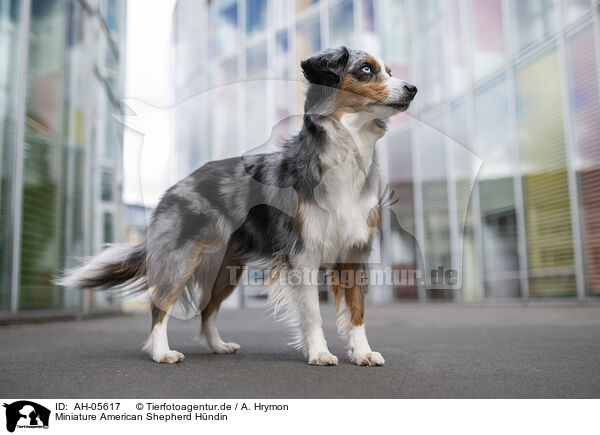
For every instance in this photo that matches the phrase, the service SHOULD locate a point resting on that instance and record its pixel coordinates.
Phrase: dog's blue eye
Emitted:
(366, 69)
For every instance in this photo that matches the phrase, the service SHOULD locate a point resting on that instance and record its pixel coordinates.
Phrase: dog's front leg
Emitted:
(306, 297)
(349, 298)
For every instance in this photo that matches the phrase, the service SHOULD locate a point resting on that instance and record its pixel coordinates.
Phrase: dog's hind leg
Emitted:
(157, 343)
(226, 281)
(180, 265)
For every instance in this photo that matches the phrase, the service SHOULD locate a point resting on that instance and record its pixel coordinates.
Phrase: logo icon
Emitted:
(26, 414)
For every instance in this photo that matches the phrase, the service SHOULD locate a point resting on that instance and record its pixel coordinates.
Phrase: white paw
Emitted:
(368, 359)
(323, 359)
(169, 357)
(223, 347)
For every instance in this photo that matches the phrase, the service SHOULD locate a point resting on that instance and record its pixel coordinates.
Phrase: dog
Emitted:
(313, 204)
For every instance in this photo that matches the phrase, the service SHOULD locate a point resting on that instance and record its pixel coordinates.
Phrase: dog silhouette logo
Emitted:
(26, 414)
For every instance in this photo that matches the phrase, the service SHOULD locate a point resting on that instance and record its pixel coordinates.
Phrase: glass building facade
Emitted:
(61, 82)
(497, 167)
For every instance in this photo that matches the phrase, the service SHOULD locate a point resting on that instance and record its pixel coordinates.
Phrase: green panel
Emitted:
(53, 159)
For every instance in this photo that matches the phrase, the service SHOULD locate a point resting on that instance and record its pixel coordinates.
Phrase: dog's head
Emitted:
(345, 81)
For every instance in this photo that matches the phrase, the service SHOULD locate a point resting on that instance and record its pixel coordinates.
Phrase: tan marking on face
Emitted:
(356, 96)
(374, 64)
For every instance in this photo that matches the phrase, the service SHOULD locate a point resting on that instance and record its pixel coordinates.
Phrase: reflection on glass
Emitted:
(256, 114)
(106, 186)
(455, 49)
(308, 42)
(585, 104)
(402, 241)
(227, 26)
(256, 16)
(534, 19)
(228, 71)
(545, 179)
(496, 191)
(9, 44)
(464, 178)
(107, 227)
(283, 87)
(282, 11)
(432, 162)
(41, 245)
(303, 4)
(395, 27)
(428, 50)
(308, 37)
(576, 9)
(488, 42)
(256, 59)
(368, 12)
(341, 24)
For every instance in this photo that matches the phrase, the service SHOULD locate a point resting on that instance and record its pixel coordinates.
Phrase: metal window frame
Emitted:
(19, 142)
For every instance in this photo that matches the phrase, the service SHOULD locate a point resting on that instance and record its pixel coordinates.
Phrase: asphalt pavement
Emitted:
(431, 351)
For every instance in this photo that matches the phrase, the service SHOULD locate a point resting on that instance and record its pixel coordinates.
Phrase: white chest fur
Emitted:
(340, 217)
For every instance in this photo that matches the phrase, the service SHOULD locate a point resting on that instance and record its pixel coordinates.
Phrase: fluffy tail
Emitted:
(120, 265)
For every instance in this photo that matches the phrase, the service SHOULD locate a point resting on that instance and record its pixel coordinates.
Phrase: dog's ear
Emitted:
(325, 68)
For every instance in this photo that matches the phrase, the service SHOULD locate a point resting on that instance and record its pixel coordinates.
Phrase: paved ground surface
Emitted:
(434, 351)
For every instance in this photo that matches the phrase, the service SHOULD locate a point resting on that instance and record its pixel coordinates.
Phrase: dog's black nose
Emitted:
(411, 89)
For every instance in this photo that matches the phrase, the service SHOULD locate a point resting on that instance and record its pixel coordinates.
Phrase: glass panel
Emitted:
(106, 186)
(308, 38)
(282, 11)
(433, 157)
(256, 114)
(224, 105)
(534, 19)
(303, 4)
(110, 14)
(107, 227)
(227, 26)
(41, 246)
(394, 18)
(496, 190)
(282, 58)
(576, 9)
(256, 59)
(9, 44)
(428, 50)
(402, 214)
(545, 179)
(341, 24)
(488, 38)
(464, 173)
(455, 47)
(368, 11)
(585, 103)
(256, 16)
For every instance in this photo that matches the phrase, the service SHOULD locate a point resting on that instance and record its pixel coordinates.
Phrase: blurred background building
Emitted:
(509, 90)
(61, 82)
(496, 167)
